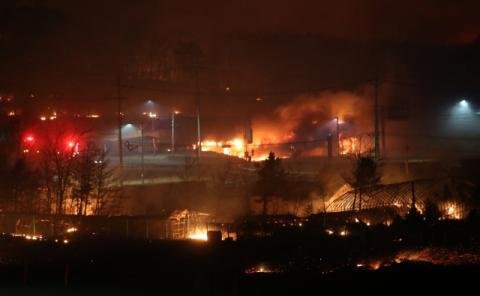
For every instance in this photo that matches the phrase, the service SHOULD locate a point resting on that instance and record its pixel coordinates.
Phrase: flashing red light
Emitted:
(29, 139)
(71, 144)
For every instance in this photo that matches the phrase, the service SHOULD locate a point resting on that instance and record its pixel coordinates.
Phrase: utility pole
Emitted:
(375, 111)
(338, 136)
(407, 170)
(329, 145)
(120, 123)
(199, 136)
(384, 140)
(248, 138)
(142, 154)
(173, 131)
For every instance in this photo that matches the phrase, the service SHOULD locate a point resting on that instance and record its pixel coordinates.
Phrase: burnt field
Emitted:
(375, 259)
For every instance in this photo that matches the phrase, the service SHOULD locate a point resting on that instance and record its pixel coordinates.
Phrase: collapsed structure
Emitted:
(451, 196)
(186, 224)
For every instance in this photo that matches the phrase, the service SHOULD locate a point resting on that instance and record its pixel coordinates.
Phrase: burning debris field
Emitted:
(189, 266)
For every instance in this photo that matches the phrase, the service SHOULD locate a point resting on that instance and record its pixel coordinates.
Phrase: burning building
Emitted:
(187, 224)
(445, 193)
(330, 123)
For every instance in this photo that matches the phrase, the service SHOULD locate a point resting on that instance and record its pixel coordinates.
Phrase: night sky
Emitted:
(70, 54)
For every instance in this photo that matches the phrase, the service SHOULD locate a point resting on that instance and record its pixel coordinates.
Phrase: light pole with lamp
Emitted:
(142, 159)
(131, 147)
(173, 130)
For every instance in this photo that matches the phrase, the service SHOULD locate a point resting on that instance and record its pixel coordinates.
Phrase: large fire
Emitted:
(354, 145)
(199, 234)
(304, 127)
(258, 151)
(239, 148)
(235, 147)
(451, 210)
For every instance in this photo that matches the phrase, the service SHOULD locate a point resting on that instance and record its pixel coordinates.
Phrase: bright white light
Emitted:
(130, 130)
(462, 108)
(150, 103)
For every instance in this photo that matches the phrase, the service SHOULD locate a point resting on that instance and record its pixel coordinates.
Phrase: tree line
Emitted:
(58, 172)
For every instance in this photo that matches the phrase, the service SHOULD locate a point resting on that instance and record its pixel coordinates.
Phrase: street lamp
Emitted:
(173, 130)
(152, 116)
(141, 157)
(462, 107)
(150, 111)
(150, 103)
(130, 126)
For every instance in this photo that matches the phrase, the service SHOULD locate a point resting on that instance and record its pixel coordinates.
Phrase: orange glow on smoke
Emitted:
(302, 126)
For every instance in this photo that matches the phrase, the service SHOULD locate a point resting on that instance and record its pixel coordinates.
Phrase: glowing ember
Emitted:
(397, 204)
(439, 256)
(71, 229)
(375, 265)
(29, 236)
(262, 268)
